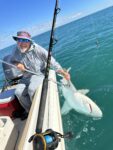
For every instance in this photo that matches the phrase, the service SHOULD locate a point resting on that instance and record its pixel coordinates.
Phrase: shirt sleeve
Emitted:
(44, 54)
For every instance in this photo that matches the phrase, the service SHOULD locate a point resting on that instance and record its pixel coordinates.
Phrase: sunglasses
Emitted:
(23, 40)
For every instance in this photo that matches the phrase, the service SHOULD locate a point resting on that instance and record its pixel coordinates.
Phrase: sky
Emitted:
(35, 16)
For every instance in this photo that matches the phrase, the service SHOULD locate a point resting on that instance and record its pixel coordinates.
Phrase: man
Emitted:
(30, 56)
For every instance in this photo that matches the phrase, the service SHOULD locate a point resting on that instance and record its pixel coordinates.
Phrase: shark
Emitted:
(78, 101)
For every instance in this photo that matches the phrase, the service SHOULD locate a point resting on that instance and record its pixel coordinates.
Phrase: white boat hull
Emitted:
(52, 118)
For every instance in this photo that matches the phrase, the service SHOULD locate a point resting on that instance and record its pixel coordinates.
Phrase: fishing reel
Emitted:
(48, 140)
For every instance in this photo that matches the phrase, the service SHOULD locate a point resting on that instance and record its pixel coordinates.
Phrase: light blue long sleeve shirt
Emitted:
(34, 59)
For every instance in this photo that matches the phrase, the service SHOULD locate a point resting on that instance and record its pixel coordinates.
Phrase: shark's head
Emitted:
(64, 81)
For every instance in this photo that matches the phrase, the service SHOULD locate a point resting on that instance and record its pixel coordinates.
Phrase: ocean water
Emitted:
(86, 45)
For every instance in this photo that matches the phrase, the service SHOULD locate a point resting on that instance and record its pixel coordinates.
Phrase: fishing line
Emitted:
(7, 63)
(50, 79)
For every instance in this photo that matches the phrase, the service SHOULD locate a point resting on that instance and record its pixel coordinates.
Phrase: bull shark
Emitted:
(77, 100)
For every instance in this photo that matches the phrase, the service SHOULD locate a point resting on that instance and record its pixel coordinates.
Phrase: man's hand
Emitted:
(65, 74)
(20, 66)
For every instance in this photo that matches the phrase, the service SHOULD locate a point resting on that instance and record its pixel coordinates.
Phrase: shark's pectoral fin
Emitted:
(65, 108)
(83, 91)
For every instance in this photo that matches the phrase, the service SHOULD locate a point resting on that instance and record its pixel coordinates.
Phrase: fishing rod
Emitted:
(45, 81)
(9, 64)
(49, 139)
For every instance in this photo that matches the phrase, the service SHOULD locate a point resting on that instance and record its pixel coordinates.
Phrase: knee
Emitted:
(19, 91)
(31, 91)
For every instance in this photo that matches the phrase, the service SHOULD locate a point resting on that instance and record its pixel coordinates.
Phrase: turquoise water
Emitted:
(86, 45)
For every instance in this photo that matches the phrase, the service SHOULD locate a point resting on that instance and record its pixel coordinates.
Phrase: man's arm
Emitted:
(57, 67)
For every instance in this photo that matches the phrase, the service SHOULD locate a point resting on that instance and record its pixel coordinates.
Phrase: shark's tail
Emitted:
(68, 70)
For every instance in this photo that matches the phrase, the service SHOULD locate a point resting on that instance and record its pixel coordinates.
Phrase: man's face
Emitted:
(23, 44)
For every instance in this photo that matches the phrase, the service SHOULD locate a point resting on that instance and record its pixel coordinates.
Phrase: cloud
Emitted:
(38, 29)
(6, 39)
(67, 19)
